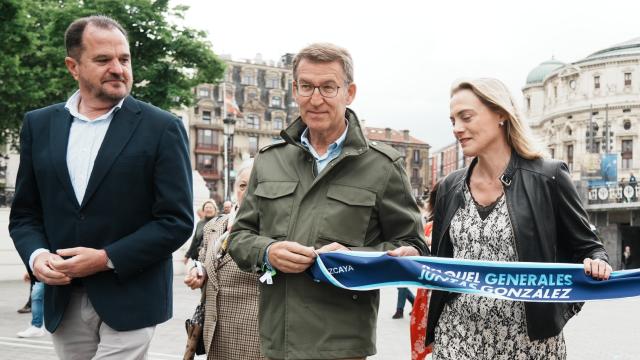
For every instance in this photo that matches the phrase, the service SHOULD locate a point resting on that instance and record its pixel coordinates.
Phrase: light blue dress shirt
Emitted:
(333, 151)
(85, 139)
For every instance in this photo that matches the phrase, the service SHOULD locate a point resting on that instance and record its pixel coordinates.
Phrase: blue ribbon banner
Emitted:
(521, 281)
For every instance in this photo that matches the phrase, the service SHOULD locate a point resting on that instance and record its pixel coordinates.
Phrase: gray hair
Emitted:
(246, 165)
(325, 53)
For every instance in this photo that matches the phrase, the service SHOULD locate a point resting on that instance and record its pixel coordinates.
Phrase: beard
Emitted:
(103, 91)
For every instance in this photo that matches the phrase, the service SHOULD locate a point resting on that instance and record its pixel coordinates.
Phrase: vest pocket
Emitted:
(275, 205)
(346, 214)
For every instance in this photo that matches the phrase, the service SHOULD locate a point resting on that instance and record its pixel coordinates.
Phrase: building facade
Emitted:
(414, 151)
(446, 160)
(257, 95)
(587, 113)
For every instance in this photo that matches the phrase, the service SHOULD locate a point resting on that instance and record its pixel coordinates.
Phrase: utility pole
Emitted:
(606, 128)
(590, 134)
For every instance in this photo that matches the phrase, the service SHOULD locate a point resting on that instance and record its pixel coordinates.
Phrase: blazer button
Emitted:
(355, 297)
(81, 217)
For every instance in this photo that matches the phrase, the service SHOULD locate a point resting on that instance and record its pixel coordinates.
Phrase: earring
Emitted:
(501, 123)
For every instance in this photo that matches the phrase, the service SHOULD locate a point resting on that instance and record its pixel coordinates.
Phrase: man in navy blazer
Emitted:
(103, 198)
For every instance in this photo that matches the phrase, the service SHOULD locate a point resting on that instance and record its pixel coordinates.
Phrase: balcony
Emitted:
(209, 148)
(210, 174)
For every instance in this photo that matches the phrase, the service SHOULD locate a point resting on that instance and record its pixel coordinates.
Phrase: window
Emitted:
(276, 101)
(203, 92)
(206, 116)
(528, 103)
(596, 82)
(415, 174)
(206, 163)
(416, 156)
(555, 91)
(552, 153)
(253, 122)
(253, 145)
(570, 156)
(207, 138)
(252, 94)
(597, 146)
(626, 125)
(627, 79)
(278, 123)
(402, 150)
(627, 153)
(273, 82)
(248, 78)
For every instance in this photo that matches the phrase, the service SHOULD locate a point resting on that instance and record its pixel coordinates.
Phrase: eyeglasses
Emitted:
(326, 91)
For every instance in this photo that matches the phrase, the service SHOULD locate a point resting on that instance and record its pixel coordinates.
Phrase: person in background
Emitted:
(231, 295)
(419, 320)
(27, 307)
(626, 257)
(209, 211)
(37, 295)
(226, 207)
(404, 295)
(510, 204)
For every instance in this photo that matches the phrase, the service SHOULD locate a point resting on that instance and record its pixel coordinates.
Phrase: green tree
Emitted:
(168, 59)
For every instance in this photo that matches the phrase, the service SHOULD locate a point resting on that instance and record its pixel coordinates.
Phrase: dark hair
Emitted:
(73, 35)
(431, 204)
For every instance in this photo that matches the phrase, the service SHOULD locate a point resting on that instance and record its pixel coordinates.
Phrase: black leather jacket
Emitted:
(549, 225)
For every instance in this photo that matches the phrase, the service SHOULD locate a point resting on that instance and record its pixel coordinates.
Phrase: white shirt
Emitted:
(85, 138)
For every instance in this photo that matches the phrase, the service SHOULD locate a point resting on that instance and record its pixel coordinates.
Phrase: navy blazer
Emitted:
(137, 206)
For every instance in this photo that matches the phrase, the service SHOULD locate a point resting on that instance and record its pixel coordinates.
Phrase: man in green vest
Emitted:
(324, 188)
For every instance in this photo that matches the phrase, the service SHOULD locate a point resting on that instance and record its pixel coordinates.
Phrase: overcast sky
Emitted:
(407, 53)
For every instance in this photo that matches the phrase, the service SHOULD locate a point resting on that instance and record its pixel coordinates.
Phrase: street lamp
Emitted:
(229, 128)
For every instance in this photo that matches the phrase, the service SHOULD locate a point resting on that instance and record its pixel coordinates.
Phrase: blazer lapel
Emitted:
(58, 141)
(120, 130)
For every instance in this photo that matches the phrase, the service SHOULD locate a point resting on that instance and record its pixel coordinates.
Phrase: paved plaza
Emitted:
(603, 330)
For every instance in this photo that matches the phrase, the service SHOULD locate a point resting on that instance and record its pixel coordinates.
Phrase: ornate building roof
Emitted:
(541, 71)
(630, 47)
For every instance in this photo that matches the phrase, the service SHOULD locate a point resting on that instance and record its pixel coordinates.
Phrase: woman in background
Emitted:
(231, 305)
(209, 211)
(419, 319)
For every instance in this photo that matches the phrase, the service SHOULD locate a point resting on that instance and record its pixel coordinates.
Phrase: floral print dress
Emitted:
(475, 327)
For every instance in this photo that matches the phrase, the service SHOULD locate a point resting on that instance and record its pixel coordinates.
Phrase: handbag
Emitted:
(194, 326)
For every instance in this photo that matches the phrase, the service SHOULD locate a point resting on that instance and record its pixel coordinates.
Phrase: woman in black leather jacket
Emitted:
(510, 204)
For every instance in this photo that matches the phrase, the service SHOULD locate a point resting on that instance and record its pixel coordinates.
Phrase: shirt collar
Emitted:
(72, 107)
(336, 145)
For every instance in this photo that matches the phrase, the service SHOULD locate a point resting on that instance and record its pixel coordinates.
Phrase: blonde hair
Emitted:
(496, 96)
(325, 53)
